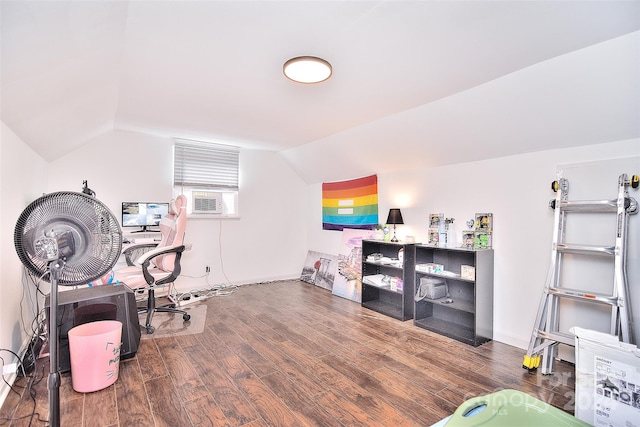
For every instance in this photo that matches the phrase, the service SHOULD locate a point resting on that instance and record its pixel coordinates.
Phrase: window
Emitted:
(207, 174)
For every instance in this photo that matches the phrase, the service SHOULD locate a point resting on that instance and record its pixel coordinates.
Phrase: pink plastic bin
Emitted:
(94, 349)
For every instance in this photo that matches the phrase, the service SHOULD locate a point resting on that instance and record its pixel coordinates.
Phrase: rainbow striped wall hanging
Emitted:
(350, 204)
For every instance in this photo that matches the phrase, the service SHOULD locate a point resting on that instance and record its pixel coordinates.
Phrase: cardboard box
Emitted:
(482, 240)
(607, 380)
(430, 267)
(468, 272)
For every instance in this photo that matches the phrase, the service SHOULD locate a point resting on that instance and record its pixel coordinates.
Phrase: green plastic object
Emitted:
(510, 408)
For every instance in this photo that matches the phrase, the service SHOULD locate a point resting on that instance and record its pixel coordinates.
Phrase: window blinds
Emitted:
(204, 165)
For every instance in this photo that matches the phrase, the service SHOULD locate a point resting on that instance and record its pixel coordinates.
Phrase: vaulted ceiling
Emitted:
(212, 70)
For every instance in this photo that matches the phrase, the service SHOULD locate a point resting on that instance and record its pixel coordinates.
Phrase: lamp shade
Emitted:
(395, 217)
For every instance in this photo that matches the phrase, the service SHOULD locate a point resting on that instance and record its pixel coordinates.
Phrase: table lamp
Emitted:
(395, 217)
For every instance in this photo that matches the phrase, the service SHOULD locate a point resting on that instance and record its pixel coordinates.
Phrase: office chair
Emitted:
(151, 266)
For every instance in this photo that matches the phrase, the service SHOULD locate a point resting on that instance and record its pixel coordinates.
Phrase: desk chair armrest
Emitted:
(172, 275)
(150, 254)
(132, 253)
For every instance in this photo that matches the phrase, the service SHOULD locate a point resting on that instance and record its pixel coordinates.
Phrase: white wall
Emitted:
(22, 180)
(516, 190)
(265, 243)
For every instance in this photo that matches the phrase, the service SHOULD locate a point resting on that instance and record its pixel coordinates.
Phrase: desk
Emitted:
(138, 237)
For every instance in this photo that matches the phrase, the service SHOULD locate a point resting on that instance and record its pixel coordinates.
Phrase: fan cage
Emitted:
(96, 233)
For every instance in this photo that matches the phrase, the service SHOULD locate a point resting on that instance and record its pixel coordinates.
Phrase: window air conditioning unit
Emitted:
(207, 202)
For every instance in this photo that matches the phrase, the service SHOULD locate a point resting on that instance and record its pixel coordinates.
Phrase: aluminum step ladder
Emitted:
(546, 334)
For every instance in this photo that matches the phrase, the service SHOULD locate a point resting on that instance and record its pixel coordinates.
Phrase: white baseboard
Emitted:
(512, 340)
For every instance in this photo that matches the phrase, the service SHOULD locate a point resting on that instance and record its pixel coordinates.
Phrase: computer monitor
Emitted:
(143, 214)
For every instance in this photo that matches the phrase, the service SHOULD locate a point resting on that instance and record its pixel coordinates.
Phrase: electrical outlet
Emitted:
(10, 368)
(207, 269)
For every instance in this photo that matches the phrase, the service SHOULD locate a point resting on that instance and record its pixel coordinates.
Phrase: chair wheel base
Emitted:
(150, 329)
(186, 317)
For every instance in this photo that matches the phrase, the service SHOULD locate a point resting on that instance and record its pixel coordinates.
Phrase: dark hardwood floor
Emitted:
(291, 354)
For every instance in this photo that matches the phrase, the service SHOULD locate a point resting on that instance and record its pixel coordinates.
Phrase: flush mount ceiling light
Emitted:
(307, 69)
